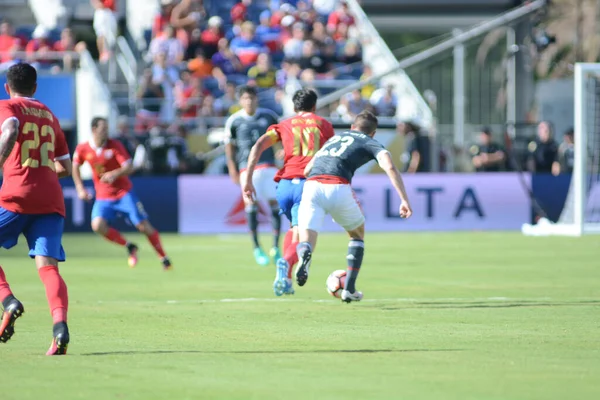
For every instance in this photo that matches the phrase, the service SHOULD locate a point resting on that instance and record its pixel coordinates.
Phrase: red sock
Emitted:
(291, 256)
(4, 288)
(154, 240)
(114, 236)
(56, 293)
(287, 239)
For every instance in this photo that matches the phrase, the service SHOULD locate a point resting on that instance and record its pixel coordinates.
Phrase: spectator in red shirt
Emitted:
(188, 95)
(39, 46)
(163, 18)
(67, 44)
(240, 11)
(9, 43)
(211, 36)
(105, 26)
(340, 16)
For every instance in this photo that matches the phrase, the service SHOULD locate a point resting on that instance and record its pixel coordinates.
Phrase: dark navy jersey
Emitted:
(243, 130)
(343, 154)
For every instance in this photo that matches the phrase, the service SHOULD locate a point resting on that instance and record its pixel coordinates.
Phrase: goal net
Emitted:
(581, 213)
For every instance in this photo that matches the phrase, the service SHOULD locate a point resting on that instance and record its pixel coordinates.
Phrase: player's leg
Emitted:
(289, 252)
(348, 214)
(311, 213)
(285, 197)
(131, 206)
(275, 252)
(44, 237)
(11, 226)
(266, 190)
(251, 208)
(103, 213)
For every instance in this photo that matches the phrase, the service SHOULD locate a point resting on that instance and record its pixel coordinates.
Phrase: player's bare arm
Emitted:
(125, 170)
(234, 174)
(385, 162)
(63, 167)
(262, 144)
(10, 133)
(82, 193)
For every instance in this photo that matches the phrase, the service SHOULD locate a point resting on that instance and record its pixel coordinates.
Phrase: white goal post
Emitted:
(581, 213)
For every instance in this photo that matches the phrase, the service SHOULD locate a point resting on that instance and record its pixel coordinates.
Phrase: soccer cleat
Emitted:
(302, 268)
(350, 297)
(289, 290)
(166, 263)
(11, 313)
(132, 260)
(282, 284)
(260, 257)
(275, 254)
(60, 341)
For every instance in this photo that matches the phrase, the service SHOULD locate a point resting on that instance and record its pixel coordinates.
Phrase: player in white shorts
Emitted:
(242, 130)
(328, 191)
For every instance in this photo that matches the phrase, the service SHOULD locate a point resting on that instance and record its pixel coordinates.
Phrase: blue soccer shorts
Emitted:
(42, 231)
(129, 206)
(289, 194)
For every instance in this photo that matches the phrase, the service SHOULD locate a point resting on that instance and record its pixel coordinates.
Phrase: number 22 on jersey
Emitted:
(31, 132)
(302, 142)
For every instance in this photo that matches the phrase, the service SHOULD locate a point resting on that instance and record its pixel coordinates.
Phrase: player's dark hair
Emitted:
(96, 121)
(22, 79)
(247, 90)
(365, 122)
(304, 100)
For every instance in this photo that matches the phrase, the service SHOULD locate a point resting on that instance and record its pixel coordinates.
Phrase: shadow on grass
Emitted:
(453, 305)
(363, 351)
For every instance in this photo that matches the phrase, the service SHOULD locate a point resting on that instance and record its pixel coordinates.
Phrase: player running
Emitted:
(242, 130)
(301, 136)
(34, 154)
(328, 191)
(111, 165)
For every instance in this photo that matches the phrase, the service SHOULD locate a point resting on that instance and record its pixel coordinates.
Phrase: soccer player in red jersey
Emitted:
(111, 165)
(301, 136)
(34, 155)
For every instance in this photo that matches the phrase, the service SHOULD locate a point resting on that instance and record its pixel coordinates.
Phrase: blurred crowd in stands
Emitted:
(51, 50)
(196, 61)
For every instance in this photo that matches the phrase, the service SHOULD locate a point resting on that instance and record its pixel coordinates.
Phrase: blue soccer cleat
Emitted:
(261, 258)
(282, 284)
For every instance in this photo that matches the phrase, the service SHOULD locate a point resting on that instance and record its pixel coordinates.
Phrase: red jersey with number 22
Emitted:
(301, 136)
(30, 184)
(103, 159)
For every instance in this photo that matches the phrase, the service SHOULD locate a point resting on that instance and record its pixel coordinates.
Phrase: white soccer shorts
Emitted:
(105, 25)
(263, 180)
(337, 200)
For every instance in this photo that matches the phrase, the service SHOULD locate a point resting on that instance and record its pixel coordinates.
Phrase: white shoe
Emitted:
(349, 297)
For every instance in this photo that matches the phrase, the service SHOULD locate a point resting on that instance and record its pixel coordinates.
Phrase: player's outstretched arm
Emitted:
(8, 138)
(385, 162)
(262, 144)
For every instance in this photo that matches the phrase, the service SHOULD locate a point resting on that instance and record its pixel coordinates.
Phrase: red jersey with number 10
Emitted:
(301, 136)
(103, 159)
(30, 184)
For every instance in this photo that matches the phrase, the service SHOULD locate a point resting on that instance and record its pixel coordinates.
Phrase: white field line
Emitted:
(300, 300)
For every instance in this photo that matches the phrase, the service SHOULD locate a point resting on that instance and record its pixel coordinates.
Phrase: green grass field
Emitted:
(445, 316)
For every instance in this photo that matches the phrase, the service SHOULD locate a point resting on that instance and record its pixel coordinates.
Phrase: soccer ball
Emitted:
(335, 282)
